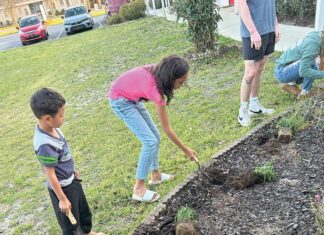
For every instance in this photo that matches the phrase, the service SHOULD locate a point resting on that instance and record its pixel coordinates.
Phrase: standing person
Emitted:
(259, 32)
(53, 153)
(301, 65)
(126, 96)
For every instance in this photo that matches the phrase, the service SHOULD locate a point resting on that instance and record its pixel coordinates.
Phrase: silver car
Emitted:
(77, 18)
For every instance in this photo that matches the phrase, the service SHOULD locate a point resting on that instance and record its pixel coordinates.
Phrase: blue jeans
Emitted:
(290, 73)
(139, 121)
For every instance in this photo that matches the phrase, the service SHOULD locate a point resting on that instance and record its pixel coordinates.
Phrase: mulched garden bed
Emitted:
(233, 202)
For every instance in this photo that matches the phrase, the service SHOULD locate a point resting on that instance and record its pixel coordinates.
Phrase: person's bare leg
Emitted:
(251, 70)
(140, 189)
(256, 80)
(156, 175)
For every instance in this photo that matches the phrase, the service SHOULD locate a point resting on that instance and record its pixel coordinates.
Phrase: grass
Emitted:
(82, 68)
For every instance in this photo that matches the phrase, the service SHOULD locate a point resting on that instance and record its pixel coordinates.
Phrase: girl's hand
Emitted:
(191, 154)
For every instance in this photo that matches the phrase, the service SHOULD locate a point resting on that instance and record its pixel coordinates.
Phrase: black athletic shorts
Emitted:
(267, 47)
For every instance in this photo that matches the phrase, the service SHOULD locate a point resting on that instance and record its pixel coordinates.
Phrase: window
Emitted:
(34, 7)
(67, 3)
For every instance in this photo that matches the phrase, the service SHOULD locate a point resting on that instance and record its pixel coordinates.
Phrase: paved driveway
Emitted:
(54, 31)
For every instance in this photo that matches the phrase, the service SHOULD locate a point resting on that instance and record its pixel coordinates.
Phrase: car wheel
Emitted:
(23, 43)
(46, 37)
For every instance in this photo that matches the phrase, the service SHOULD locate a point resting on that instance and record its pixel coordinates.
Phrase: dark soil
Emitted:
(235, 201)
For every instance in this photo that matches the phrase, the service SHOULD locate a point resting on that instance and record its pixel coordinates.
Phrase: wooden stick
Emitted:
(71, 218)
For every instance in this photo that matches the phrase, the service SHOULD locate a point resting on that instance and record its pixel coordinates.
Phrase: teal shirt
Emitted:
(306, 51)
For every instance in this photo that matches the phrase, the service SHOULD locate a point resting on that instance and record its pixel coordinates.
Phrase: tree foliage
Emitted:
(202, 17)
(10, 6)
(296, 8)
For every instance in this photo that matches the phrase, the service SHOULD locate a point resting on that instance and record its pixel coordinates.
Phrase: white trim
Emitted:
(319, 19)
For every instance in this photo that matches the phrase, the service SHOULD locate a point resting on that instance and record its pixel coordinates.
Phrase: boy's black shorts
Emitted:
(267, 47)
(80, 209)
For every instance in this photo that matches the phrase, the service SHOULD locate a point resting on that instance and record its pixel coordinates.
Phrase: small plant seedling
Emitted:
(284, 123)
(266, 172)
(185, 214)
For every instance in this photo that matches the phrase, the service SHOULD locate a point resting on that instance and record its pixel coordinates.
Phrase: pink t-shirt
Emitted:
(134, 84)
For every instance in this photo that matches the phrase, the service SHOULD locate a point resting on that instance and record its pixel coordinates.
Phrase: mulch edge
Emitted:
(162, 204)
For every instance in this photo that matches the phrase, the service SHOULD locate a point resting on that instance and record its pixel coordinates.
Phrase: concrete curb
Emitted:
(162, 204)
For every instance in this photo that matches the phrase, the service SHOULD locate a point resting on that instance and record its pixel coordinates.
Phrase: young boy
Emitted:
(56, 160)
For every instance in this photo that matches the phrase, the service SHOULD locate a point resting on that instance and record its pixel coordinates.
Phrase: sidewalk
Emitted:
(230, 27)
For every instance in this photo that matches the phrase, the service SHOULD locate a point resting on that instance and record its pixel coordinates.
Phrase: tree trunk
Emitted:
(12, 13)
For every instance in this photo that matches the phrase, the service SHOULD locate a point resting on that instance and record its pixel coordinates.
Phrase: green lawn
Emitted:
(82, 67)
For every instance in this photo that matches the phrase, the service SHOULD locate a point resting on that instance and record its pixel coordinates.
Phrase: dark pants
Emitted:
(267, 47)
(80, 209)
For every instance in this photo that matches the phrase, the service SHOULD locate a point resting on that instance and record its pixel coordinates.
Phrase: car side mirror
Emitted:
(17, 28)
(89, 10)
(62, 17)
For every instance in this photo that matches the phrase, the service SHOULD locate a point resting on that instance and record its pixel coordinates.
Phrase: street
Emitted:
(54, 31)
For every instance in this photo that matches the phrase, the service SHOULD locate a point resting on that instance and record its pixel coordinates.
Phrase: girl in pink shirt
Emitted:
(156, 83)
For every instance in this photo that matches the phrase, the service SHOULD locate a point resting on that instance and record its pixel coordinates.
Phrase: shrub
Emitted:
(284, 123)
(114, 19)
(185, 214)
(203, 17)
(296, 8)
(266, 172)
(1, 23)
(132, 10)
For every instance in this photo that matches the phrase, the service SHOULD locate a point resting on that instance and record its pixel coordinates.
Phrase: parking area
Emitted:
(55, 32)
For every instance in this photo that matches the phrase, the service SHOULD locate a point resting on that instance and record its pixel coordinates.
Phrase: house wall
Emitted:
(23, 8)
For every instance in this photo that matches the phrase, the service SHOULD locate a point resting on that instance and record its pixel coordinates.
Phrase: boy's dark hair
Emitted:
(166, 72)
(46, 101)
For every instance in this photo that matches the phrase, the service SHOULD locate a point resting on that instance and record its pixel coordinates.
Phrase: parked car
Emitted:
(77, 18)
(31, 28)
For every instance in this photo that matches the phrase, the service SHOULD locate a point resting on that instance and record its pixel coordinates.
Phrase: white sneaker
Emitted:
(244, 117)
(257, 108)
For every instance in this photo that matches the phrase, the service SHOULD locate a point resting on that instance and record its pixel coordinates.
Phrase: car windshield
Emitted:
(75, 11)
(29, 21)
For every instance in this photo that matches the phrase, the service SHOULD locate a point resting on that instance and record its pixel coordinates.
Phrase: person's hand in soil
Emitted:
(191, 154)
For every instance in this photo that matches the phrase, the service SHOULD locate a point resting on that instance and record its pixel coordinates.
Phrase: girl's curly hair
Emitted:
(166, 72)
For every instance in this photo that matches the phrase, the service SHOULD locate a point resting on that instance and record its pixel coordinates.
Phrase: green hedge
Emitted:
(296, 8)
(114, 19)
(132, 10)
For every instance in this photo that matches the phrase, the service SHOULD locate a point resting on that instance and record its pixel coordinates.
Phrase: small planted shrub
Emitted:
(114, 19)
(184, 220)
(185, 214)
(318, 211)
(203, 17)
(284, 123)
(266, 172)
(133, 10)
